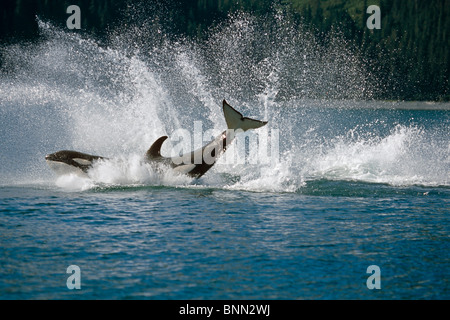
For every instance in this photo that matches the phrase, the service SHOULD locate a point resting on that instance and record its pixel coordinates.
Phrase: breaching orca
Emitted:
(66, 161)
(194, 164)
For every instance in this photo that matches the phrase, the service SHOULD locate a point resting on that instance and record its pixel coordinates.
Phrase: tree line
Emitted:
(410, 53)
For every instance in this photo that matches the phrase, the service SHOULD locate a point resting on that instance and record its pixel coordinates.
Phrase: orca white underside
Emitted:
(61, 168)
(184, 169)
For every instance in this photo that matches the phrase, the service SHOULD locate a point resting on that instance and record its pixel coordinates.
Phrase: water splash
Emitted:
(115, 97)
(408, 155)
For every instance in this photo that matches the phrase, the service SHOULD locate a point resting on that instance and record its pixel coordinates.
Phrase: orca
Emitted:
(67, 161)
(194, 164)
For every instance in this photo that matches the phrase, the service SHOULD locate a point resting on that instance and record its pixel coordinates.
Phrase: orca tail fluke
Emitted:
(235, 120)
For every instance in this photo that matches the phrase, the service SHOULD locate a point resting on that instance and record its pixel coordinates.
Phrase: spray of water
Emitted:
(114, 98)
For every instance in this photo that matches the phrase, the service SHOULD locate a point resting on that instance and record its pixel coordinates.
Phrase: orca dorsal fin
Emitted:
(154, 153)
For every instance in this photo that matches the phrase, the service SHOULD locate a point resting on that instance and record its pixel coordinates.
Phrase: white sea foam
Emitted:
(407, 156)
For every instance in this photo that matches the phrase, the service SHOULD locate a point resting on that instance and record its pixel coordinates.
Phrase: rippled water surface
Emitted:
(208, 243)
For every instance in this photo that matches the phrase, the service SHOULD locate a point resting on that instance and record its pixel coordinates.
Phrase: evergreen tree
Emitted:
(412, 48)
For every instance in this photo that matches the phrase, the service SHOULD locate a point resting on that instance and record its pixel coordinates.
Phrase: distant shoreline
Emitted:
(376, 104)
(416, 105)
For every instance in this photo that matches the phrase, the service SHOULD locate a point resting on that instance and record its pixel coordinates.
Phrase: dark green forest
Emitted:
(410, 53)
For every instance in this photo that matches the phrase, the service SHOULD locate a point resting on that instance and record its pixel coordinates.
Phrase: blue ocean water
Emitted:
(331, 186)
